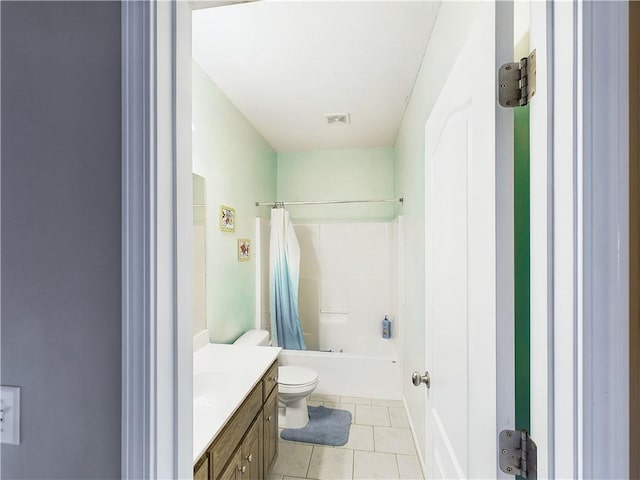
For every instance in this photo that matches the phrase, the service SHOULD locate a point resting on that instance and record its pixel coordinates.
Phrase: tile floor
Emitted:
(380, 446)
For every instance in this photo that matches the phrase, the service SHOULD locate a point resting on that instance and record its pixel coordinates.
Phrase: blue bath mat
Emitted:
(327, 426)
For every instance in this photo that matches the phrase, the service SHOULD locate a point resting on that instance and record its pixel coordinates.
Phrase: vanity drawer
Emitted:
(270, 380)
(228, 440)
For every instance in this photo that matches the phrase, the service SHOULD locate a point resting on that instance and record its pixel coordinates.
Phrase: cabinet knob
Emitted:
(269, 418)
(243, 469)
(249, 458)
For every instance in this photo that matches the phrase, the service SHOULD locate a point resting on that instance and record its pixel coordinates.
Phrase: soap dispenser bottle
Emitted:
(386, 327)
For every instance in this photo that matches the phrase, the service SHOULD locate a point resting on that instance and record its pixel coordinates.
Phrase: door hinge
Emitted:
(518, 454)
(517, 82)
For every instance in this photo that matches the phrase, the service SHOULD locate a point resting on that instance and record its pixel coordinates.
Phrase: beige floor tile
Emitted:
(360, 438)
(394, 440)
(271, 476)
(409, 467)
(293, 478)
(386, 403)
(331, 464)
(368, 415)
(372, 465)
(349, 407)
(314, 403)
(398, 417)
(320, 397)
(356, 400)
(293, 459)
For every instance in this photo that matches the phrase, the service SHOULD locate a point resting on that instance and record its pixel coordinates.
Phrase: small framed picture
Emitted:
(244, 249)
(227, 219)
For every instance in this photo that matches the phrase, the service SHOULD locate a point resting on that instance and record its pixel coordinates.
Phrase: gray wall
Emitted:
(60, 192)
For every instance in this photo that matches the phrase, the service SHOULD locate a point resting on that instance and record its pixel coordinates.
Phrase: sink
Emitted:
(207, 384)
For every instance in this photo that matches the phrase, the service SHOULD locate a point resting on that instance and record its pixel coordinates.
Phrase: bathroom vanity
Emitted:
(235, 420)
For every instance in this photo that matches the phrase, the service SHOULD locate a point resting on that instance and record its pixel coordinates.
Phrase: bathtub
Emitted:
(371, 370)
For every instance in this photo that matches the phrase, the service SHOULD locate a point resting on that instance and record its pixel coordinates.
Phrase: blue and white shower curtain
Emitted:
(286, 329)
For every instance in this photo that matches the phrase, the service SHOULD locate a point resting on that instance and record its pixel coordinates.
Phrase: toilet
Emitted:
(295, 384)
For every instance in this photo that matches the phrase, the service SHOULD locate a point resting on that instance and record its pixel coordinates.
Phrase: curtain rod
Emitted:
(325, 202)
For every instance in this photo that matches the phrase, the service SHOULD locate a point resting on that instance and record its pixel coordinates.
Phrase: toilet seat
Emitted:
(291, 376)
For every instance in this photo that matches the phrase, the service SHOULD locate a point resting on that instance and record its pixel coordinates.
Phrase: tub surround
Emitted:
(224, 376)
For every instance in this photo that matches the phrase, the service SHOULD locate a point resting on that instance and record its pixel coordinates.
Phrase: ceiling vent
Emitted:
(338, 118)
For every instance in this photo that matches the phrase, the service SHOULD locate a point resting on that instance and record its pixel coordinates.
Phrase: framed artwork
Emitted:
(227, 219)
(244, 249)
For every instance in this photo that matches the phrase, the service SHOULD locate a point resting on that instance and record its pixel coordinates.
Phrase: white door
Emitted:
(460, 237)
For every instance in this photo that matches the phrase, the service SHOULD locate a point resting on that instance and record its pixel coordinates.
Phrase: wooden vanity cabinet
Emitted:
(246, 463)
(233, 469)
(269, 381)
(232, 435)
(247, 446)
(270, 415)
(201, 470)
(251, 448)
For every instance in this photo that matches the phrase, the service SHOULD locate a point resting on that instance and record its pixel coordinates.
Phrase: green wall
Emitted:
(522, 247)
(239, 168)
(340, 174)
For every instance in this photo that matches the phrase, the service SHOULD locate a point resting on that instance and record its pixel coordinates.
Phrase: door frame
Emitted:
(157, 349)
(580, 315)
(634, 241)
(603, 147)
(156, 228)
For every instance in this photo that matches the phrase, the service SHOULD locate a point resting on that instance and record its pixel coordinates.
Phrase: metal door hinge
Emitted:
(517, 82)
(518, 454)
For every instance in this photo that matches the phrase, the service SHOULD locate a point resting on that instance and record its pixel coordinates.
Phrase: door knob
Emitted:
(417, 379)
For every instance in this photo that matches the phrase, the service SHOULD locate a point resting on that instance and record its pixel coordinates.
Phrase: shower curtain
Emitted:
(286, 329)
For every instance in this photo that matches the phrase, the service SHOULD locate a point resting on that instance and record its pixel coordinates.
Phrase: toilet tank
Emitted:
(254, 337)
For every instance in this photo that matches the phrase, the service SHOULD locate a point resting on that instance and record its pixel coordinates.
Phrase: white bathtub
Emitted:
(372, 372)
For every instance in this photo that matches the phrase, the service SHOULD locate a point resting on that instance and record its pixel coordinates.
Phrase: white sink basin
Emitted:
(208, 384)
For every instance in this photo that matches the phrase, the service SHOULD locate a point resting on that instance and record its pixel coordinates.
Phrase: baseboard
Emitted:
(415, 438)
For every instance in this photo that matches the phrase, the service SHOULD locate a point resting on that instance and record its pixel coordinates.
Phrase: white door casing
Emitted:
(460, 236)
(604, 441)
(541, 218)
(157, 402)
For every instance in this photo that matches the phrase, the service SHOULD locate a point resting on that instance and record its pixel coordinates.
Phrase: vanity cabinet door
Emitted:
(234, 469)
(252, 452)
(270, 430)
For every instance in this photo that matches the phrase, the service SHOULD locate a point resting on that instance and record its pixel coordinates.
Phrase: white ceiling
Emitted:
(285, 64)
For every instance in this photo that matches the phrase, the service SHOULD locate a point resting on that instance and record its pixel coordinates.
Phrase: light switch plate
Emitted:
(10, 415)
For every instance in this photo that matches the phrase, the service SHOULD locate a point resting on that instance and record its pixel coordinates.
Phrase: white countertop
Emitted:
(223, 376)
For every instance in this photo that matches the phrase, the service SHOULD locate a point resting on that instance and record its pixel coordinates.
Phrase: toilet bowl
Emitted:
(295, 384)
